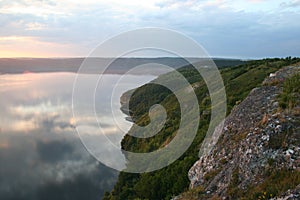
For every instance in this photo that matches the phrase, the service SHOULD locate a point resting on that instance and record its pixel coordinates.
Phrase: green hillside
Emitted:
(172, 180)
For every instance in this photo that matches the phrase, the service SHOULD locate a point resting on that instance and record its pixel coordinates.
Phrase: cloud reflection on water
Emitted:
(41, 155)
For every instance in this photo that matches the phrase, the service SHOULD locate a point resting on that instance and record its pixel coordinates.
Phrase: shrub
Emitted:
(290, 96)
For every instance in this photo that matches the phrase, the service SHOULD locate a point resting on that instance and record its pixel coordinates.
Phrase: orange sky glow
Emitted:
(13, 46)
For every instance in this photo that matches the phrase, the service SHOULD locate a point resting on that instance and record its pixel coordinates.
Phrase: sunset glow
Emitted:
(19, 46)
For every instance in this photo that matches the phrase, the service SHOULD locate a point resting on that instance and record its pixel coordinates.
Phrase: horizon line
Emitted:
(152, 57)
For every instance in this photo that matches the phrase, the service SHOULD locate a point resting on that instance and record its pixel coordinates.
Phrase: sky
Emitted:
(225, 28)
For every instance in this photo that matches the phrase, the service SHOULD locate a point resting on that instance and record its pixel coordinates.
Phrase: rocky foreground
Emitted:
(258, 136)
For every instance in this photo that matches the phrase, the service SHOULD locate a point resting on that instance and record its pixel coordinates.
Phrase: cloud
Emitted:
(37, 8)
(291, 4)
(54, 167)
(41, 155)
(36, 26)
(256, 1)
(45, 116)
(80, 187)
(73, 28)
(53, 151)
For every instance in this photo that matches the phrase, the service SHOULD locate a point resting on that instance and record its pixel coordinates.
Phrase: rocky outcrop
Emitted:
(293, 194)
(257, 135)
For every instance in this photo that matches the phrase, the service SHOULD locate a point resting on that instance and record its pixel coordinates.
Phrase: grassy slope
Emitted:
(172, 180)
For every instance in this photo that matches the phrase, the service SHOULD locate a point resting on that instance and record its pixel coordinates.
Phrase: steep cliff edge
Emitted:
(172, 180)
(258, 153)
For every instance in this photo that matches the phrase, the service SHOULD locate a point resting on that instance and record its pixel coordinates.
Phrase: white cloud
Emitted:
(75, 27)
(291, 4)
(35, 26)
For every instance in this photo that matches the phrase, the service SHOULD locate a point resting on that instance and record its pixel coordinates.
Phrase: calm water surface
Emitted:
(41, 156)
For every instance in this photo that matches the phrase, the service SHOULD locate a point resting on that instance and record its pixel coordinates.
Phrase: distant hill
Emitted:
(119, 66)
